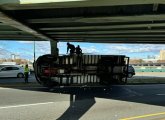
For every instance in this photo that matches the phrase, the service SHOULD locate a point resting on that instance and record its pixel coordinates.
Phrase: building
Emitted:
(17, 56)
(151, 60)
(162, 54)
(13, 56)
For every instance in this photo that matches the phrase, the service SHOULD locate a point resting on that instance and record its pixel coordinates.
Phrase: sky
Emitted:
(25, 49)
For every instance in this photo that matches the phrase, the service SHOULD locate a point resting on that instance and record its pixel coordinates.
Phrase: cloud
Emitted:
(61, 44)
(120, 48)
(4, 53)
(90, 50)
(147, 48)
(26, 42)
(41, 47)
(129, 49)
(133, 48)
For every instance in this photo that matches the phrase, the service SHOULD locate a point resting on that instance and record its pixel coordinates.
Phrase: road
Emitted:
(16, 80)
(138, 76)
(150, 74)
(125, 102)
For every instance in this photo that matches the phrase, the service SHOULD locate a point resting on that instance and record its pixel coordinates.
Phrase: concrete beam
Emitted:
(11, 22)
(54, 49)
(38, 4)
(4, 2)
(17, 36)
(113, 39)
(8, 28)
(20, 39)
(112, 19)
(129, 42)
(116, 41)
(94, 30)
(108, 32)
(34, 1)
(149, 26)
(12, 31)
(108, 36)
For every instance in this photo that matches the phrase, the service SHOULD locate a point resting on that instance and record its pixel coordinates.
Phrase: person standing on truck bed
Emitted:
(79, 55)
(71, 48)
(78, 50)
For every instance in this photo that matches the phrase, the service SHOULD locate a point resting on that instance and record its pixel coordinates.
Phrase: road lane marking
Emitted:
(26, 105)
(143, 116)
(22, 87)
(4, 88)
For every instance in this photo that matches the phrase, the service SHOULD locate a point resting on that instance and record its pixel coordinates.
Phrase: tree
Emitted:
(136, 61)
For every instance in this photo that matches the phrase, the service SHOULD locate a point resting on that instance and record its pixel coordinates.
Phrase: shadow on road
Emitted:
(83, 98)
(81, 101)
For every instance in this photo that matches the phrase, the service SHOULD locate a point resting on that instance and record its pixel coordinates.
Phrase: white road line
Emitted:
(26, 87)
(160, 94)
(26, 105)
(3, 88)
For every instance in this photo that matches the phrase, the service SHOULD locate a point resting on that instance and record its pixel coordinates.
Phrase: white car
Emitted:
(11, 71)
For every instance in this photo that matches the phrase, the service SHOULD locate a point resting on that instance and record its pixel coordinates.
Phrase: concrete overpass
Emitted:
(101, 21)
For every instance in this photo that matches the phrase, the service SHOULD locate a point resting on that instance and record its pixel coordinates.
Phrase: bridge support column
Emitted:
(54, 49)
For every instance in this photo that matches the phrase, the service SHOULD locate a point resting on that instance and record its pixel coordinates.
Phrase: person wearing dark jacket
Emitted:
(78, 50)
(79, 55)
(71, 48)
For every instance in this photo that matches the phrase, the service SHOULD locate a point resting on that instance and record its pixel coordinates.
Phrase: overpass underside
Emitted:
(99, 21)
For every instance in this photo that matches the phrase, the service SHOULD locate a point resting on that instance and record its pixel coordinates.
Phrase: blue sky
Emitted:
(25, 49)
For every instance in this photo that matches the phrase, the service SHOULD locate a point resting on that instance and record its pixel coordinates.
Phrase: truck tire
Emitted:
(44, 60)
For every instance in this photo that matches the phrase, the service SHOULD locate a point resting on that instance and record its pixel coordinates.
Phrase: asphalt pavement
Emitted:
(20, 101)
(10, 80)
(123, 102)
